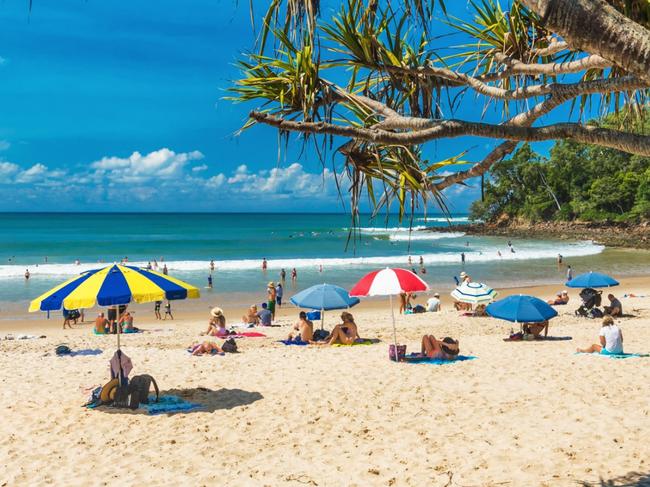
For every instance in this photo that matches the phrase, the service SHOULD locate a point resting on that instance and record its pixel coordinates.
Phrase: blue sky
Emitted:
(119, 106)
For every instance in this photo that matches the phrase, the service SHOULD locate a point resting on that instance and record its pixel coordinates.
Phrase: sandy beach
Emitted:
(528, 413)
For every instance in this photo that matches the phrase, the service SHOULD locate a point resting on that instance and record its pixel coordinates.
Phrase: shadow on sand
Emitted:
(631, 479)
(209, 400)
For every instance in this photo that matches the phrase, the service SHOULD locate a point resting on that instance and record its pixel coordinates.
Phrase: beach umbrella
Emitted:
(113, 286)
(521, 308)
(592, 279)
(474, 293)
(389, 282)
(324, 297)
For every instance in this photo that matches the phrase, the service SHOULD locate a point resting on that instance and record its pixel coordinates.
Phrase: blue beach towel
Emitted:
(85, 351)
(293, 342)
(413, 359)
(169, 405)
(617, 355)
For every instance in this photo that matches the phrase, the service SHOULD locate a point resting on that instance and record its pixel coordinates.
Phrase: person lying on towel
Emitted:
(611, 339)
(198, 348)
(346, 333)
(560, 299)
(445, 349)
(303, 330)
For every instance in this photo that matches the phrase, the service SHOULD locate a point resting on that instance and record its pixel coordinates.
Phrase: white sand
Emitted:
(529, 413)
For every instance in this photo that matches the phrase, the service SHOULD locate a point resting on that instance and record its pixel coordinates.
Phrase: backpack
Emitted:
(122, 399)
(321, 335)
(62, 349)
(139, 390)
(229, 346)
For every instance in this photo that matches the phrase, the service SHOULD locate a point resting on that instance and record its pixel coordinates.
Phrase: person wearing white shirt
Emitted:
(433, 304)
(611, 339)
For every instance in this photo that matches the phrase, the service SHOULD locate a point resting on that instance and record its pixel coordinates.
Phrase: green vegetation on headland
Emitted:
(580, 182)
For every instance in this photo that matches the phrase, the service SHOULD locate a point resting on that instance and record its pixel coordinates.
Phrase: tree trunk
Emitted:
(597, 28)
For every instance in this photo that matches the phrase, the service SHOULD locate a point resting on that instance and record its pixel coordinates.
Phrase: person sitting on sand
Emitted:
(610, 337)
(445, 349)
(251, 318)
(102, 326)
(480, 310)
(265, 316)
(535, 329)
(303, 329)
(127, 323)
(433, 304)
(217, 324)
(198, 348)
(615, 307)
(560, 299)
(346, 333)
(462, 306)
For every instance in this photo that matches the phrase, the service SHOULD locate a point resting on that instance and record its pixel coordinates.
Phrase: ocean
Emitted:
(50, 244)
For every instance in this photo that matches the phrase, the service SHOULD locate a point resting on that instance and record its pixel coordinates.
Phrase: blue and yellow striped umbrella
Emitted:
(112, 286)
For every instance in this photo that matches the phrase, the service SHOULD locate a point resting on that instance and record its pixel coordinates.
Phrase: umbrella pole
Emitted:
(322, 319)
(392, 313)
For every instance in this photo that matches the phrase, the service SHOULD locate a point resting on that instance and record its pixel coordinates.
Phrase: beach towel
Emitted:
(617, 355)
(169, 405)
(539, 339)
(414, 359)
(246, 334)
(86, 351)
(293, 342)
(364, 342)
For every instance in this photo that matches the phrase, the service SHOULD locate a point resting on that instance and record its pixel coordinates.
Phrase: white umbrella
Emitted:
(474, 293)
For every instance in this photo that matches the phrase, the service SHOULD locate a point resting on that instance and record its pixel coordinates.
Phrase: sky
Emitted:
(119, 106)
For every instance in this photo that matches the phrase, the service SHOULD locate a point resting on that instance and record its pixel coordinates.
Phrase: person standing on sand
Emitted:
(264, 264)
(271, 296)
(278, 294)
(168, 310)
(569, 273)
(156, 310)
(165, 270)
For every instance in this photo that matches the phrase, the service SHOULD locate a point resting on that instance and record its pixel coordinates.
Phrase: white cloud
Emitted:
(39, 173)
(8, 169)
(160, 164)
(4, 144)
(202, 167)
(216, 181)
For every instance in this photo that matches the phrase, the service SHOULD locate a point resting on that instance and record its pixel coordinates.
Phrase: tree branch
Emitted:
(596, 27)
(514, 66)
(427, 130)
(553, 48)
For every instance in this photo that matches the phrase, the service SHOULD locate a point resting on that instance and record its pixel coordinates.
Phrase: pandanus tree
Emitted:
(368, 83)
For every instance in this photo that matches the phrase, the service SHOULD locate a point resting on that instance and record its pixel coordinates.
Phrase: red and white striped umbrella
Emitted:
(388, 282)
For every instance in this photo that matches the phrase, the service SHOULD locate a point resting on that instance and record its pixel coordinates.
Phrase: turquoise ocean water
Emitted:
(50, 244)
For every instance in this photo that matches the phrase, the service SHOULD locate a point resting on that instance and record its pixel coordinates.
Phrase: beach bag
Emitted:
(596, 313)
(139, 390)
(321, 335)
(74, 314)
(62, 349)
(229, 346)
(401, 352)
(419, 309)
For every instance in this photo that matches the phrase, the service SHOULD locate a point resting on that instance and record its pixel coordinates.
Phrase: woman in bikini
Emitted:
(206, 347)
(346, 333)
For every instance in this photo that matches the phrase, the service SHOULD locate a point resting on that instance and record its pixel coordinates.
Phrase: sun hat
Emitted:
(564, 291)
(216, 312)
(436, 295)
(271, 284)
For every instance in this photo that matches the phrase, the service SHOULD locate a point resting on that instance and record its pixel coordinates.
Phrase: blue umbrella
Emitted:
(521, 309)
(324, 297)
(592, 279)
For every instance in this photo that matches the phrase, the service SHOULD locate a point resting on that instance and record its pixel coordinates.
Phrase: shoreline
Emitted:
(191, 311)
(615, 235)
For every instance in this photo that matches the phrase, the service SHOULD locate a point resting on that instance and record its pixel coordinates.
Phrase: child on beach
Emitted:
(168, 311)
(610, 338)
